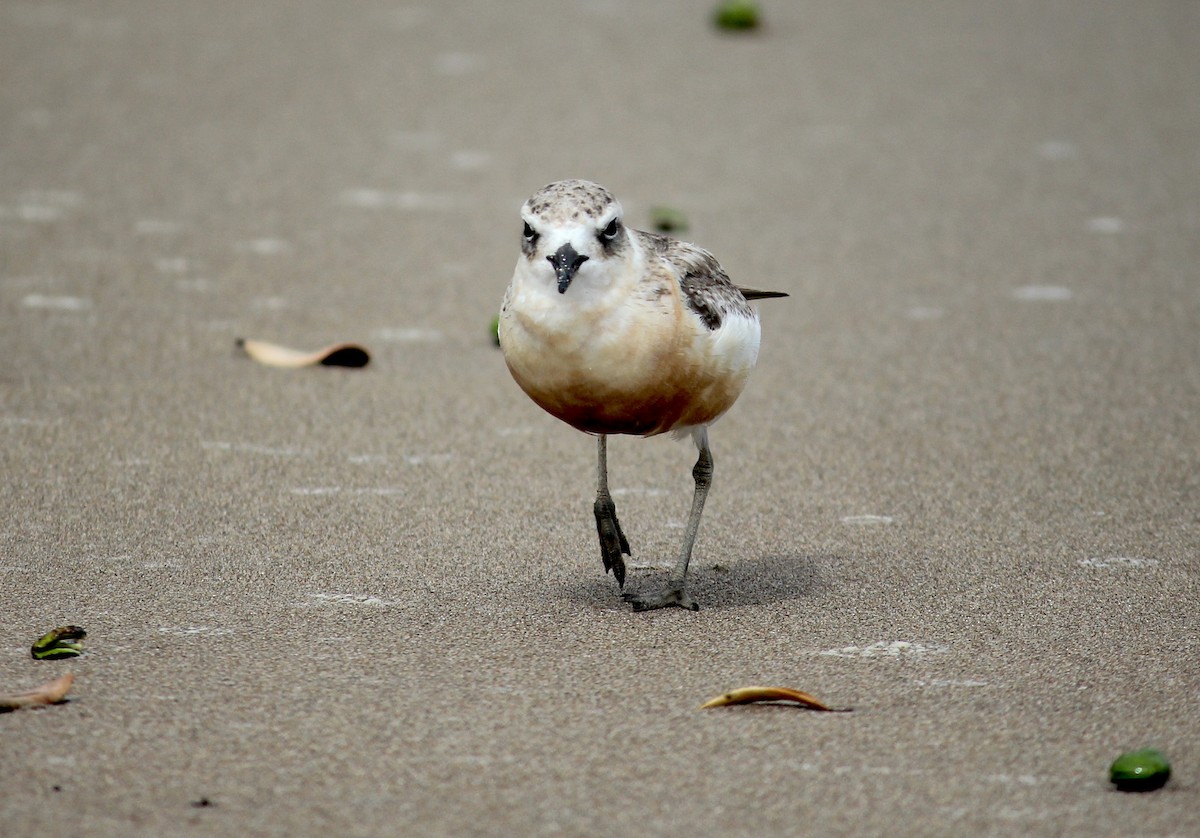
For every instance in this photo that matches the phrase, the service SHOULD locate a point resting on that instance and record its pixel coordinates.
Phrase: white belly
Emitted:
(608, 361)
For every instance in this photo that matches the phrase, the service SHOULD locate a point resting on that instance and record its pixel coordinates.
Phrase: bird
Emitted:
(618, 331)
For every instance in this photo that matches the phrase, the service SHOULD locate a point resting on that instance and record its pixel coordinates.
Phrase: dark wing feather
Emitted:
(755, 294)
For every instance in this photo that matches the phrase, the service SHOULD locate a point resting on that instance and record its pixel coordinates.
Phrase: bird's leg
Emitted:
(612, 540)
(674, 593)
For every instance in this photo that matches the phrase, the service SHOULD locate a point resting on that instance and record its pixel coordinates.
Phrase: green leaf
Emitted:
(62, 642)
(1143, 770)
(737, 14)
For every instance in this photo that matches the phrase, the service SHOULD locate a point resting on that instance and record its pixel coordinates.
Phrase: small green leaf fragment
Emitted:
(495, 330)
(62, 642)
(667, 220)
(737, 14)
(1144, 770)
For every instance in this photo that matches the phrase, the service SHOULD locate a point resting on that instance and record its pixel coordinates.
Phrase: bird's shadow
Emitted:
(762, 581)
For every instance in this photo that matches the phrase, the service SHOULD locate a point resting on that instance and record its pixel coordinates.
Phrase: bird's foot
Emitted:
(674, 595)
(612, 540)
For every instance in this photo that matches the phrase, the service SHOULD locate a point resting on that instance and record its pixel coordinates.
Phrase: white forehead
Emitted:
(571, 202)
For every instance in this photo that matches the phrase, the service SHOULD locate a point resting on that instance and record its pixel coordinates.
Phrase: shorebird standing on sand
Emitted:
(616, 331)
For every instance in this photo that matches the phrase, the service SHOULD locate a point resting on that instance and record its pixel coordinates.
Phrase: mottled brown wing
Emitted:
(706, 287)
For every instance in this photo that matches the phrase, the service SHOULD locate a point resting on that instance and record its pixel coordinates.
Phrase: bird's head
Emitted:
(568, 224)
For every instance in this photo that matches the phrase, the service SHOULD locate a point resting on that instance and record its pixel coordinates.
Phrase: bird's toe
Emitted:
(612, 540)
(672, 596)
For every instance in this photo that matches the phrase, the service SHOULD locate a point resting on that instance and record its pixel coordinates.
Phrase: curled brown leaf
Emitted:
(274, 355)
(52, 692)
(750, 695)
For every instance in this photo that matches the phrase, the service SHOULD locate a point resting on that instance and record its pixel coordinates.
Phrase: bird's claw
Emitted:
(612, 540)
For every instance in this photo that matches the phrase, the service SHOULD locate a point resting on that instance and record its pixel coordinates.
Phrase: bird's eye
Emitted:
(609, 233)
(530, 233)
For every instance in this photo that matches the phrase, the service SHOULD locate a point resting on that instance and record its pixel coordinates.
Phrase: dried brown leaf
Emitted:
(274, 355)
(749, 695)
(51, 692)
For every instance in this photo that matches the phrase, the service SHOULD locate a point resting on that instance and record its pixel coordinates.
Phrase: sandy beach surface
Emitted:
(959, 495)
